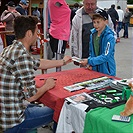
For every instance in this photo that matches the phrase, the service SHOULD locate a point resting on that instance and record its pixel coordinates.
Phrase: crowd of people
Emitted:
(92, 34)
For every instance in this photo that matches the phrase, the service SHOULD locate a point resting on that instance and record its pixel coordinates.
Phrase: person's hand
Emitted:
(76, 60)
(76, 63)
(89, 67)
(50, 83)
(84, 62)
(67, 59)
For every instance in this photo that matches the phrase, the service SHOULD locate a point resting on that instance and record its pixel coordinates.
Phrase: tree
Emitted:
(129, 1)
(77, 0)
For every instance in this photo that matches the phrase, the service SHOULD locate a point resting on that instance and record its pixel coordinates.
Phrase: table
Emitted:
(54, 98)
(100, 120)
(74, 118)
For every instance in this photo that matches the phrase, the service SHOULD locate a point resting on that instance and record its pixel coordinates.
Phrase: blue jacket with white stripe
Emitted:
(104, 62)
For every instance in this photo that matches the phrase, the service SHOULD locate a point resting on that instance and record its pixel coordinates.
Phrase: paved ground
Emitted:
(123, 57)
(124, 62)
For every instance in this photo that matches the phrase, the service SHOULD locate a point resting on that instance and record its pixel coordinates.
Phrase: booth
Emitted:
(131, 20)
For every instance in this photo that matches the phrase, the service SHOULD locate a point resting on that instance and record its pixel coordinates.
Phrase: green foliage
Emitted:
(129, 1)
(77, 0)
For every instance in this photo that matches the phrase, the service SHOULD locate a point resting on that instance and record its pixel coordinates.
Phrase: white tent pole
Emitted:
(45, 23)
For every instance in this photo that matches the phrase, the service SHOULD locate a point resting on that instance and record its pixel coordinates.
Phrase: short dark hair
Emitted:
(118, 7)
(24, 23)
(76, 5)
(113, 6)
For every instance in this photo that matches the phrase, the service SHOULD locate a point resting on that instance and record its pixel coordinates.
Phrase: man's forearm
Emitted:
(46, 64)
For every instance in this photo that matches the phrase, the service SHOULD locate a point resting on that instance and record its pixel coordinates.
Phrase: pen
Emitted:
(46, 79)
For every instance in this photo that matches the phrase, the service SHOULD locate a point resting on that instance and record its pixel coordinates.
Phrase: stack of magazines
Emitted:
(119, 84)
(93, 84)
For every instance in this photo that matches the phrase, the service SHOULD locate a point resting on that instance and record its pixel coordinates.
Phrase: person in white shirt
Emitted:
(80, 31)
(120, 23)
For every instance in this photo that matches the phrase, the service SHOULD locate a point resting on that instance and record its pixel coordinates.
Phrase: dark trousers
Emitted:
(126, 30)
(119, 27)
(9, 39)
(56, 47)
(35, 116)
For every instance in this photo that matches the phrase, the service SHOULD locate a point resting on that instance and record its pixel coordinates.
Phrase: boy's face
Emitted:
(99, 24)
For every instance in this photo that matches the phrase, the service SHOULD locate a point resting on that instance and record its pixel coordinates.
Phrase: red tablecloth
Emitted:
(54, 98)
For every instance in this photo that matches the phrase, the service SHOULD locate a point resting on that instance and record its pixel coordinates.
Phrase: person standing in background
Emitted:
(8, 16)
(114, 15)
(120, 23)
(21, 7)
(73, 10)
(36, 12)
(59, 28)
(27, 6)
(126, 21)
(80, 31)
(81, 26)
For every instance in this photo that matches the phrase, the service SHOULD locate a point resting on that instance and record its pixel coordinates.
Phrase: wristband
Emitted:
(64, 62)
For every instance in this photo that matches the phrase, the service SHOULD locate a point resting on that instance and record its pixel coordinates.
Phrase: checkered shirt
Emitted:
(17, 68)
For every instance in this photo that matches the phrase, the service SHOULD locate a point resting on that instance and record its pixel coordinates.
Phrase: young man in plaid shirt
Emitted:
(17, 83)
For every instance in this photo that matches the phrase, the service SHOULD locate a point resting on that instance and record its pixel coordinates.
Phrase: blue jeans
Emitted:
(126, 30)
(35, 116)
(119, 27)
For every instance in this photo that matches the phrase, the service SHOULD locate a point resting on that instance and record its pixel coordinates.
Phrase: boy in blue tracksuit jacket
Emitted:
(102, 45)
